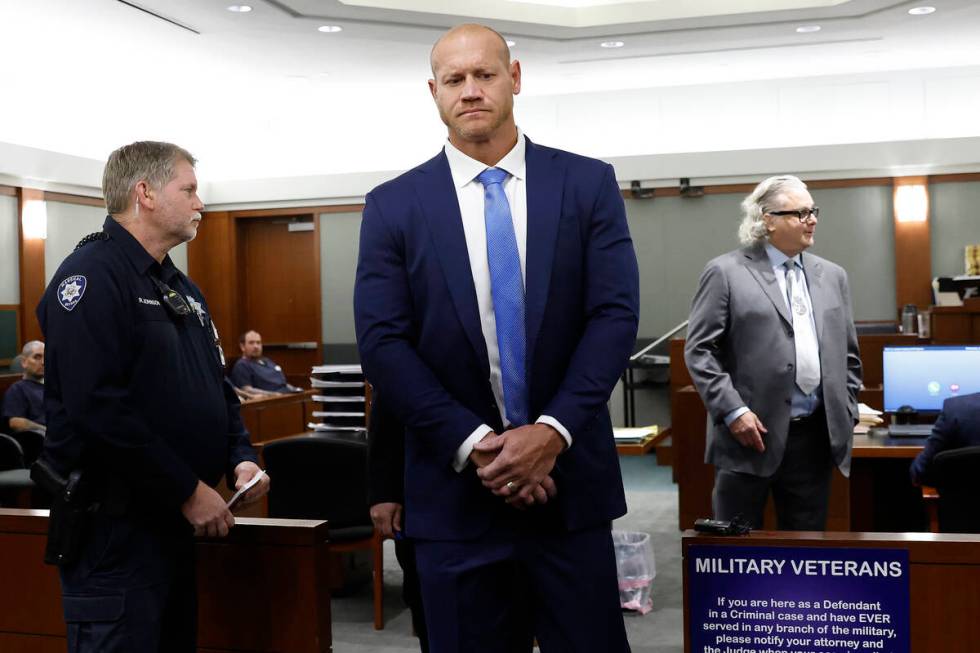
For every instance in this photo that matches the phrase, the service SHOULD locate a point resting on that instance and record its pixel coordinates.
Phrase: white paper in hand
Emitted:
(232, 502)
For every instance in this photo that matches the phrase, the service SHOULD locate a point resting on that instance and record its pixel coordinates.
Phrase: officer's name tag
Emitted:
(70, 291)
(150, 302)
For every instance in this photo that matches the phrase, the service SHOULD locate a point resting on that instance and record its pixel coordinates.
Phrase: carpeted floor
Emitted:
(652, 500)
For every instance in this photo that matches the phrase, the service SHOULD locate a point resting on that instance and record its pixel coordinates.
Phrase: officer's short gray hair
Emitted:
(150, 161)
(29, 346)
(753, 227)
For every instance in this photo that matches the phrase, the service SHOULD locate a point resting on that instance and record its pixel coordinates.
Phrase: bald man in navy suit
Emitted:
(496, 306)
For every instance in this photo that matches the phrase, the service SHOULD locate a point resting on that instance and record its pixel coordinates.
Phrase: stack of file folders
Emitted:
(340, 398)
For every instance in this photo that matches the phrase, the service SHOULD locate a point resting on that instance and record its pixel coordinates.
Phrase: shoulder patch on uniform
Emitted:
(70, 291)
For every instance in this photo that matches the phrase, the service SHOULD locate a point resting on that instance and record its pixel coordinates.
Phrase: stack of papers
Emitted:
(319, 383)
(337, 369)
(313, 426)
(867, 418)
(635, 435)
(342, 399)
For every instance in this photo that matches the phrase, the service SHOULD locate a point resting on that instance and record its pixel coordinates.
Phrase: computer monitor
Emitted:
(924, 377)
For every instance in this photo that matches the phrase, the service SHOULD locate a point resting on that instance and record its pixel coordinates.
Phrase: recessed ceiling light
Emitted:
(330, 29)
(921, 11)
(808, 29)
(510, 43)
(611, 44)
(240, 9)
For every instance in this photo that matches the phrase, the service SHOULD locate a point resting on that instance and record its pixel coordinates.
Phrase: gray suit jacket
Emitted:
(740, 352)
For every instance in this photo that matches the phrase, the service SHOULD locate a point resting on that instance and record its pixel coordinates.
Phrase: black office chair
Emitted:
(31, 443)
(16, 486)
(324, 476)
(956, 476)
(11, 453)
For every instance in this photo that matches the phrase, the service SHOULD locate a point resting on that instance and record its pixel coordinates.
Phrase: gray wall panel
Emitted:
(953, 224)
(67, 224)
(9, 252)
(674, 238)
(856, 232)
(339, 241)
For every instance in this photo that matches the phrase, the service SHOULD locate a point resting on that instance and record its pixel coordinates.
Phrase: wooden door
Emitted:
(280, 290)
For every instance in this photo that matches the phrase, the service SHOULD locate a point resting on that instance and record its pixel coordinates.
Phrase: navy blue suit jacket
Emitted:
(957, 426)
(418, 330)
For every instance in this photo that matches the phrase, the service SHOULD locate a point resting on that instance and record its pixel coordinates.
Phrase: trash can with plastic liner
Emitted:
(636, 570)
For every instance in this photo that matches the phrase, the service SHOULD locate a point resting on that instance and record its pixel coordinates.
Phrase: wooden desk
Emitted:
(881, 495)
(877, 496)
(695, 478)
(956, 325)
(944, 579)
(263, 588)
(644, 447)
(271, 418)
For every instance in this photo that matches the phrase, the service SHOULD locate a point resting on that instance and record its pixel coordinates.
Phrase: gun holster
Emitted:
(71, 512)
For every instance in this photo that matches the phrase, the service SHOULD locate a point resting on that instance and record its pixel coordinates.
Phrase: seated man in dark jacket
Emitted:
(23, 403)
(958, 426)
(255, 374)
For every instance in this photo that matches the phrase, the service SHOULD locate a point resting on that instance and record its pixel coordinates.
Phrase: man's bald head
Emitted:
(467, 32)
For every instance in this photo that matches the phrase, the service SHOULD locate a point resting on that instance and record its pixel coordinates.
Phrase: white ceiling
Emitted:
(590, 13)
(265, 94)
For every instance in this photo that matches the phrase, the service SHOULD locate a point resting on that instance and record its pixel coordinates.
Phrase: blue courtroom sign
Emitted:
(756, 599)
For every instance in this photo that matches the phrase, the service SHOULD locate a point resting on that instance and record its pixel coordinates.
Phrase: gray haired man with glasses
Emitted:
(772, 349)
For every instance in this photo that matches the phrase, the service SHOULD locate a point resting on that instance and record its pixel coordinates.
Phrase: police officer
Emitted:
(140, 419)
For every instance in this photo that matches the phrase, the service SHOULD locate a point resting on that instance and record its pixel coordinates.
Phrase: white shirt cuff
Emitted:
(735, 414)
(555, 424)
(465, 449)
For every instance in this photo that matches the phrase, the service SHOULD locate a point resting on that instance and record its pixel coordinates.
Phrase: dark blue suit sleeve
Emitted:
(942, 438)
(89, 348)
(382, 313)
(386, 455)
(612, 314)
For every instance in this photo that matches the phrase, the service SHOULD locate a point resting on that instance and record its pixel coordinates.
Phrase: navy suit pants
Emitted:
(497, 593)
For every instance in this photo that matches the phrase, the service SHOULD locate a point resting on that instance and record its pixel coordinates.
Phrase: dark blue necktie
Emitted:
(507, 289)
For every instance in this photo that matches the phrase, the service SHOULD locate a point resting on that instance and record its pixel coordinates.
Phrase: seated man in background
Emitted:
(256, 375)
(957, 426)
(23, 403)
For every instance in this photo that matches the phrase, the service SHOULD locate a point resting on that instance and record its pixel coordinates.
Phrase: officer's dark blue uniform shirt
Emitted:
(133, 390)
(262, 374)
(24, 399)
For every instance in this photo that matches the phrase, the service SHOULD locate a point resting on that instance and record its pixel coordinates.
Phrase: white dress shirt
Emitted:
(470, 194)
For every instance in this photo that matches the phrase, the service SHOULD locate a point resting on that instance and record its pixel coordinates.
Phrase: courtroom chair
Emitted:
(955, 475)
(31, 443)
(11, 453)
(16, 486)
(324, 476)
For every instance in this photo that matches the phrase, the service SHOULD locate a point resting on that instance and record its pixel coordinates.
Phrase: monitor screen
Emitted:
(924, 377)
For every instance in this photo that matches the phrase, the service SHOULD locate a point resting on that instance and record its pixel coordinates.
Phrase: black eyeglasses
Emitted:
(801, 214)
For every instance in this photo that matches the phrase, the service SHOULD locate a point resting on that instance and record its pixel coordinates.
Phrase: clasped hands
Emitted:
(516, 464)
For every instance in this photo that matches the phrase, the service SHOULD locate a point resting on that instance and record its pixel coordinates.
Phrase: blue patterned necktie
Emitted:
(507, 289)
